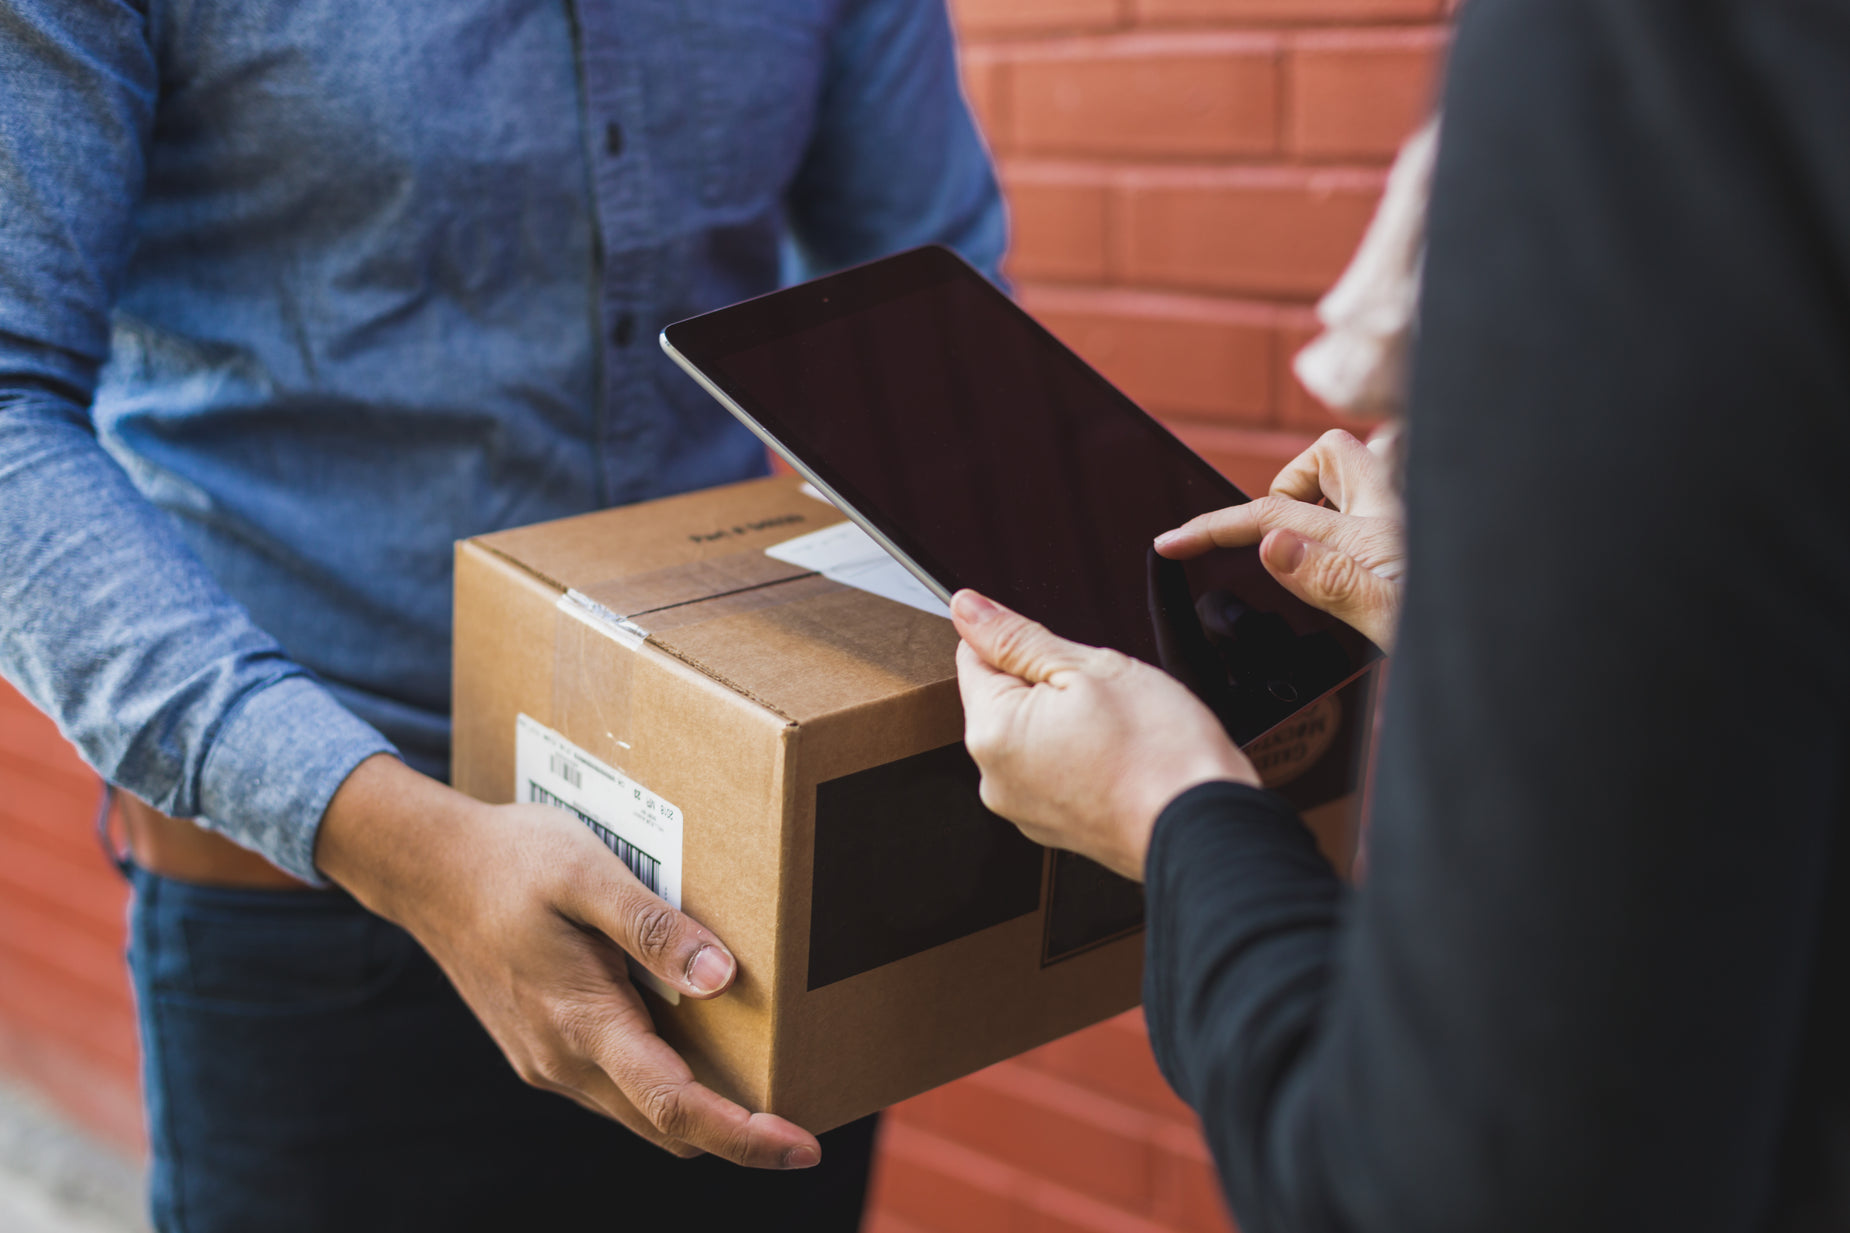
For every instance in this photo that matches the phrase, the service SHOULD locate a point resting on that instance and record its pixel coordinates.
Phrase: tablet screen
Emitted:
(996, 459)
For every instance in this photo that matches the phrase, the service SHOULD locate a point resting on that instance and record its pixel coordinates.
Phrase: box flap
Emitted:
(669, 551)
(691, 573)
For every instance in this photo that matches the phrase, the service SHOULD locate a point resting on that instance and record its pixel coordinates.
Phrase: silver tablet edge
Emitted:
(835, 498)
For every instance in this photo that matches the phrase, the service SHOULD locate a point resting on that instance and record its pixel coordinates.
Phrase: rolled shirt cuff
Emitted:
(275, 763)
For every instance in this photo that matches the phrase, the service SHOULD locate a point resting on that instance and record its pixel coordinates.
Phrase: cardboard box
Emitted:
(785, 754)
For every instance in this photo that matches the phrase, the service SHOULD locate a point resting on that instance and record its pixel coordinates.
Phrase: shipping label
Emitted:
(639, 826)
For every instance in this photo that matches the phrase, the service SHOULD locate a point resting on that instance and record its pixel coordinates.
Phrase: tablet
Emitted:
(982, 452)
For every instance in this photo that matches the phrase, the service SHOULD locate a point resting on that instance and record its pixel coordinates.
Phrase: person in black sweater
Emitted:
(1596, 975)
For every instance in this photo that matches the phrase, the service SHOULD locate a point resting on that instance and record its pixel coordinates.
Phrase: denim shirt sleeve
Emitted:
(107, 620)
(896, 160)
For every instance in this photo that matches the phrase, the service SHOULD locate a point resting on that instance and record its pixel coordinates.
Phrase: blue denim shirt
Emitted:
(296, 293)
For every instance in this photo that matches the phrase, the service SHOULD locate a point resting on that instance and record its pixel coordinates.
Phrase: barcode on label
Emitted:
(568, 770)
(647, 869)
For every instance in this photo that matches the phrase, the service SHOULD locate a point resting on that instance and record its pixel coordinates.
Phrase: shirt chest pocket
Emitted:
(759, 67)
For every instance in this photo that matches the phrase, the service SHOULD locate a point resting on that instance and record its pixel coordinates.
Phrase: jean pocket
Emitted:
(258, 949)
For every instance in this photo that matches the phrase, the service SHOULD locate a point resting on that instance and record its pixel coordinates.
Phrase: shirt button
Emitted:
(623, 330)
(613, 139)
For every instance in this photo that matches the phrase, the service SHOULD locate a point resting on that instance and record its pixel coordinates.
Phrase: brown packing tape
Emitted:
(810, 647)
(637, 595)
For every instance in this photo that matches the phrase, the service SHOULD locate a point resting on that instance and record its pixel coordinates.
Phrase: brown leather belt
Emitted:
(187, 852)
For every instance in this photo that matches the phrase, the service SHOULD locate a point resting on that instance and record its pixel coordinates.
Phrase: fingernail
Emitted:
(805, 1157)
(710, 970)
(1285, 553)
(1167, 538)
(971, 608)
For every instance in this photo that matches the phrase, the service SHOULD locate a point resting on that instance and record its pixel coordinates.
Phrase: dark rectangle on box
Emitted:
(907, 858)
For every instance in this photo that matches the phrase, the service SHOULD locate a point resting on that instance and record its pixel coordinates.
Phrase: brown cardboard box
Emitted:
(803, 739)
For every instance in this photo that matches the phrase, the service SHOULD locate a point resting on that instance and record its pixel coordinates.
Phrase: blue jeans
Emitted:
(308, 1067)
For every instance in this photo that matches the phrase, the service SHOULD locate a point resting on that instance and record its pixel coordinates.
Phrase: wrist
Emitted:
(1219, 766)
(386, 834)
(1211, 766)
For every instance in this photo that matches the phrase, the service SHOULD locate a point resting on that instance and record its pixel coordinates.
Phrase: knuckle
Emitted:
(1337, 575)
(1108, 664)
(665, 1106)
(575, 1023)
(1014, 642)
(545, 1073)
(653, 928)
(1274, 509)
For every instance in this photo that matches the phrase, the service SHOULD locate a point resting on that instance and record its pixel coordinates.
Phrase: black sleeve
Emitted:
(1594, 976)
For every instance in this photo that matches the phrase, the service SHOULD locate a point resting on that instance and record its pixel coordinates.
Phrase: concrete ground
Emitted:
(54, 1179)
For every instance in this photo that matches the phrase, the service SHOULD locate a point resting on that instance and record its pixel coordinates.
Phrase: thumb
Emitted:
(1010, 642)
(1335, 582)
(674, 946)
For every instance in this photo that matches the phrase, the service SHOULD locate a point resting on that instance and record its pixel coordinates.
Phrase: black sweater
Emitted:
(1596, 975)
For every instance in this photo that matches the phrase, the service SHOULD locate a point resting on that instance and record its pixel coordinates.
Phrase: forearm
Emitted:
(161, 680)
(1242, 915)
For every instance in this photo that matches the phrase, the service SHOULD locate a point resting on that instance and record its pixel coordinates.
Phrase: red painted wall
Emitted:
(1186, 176)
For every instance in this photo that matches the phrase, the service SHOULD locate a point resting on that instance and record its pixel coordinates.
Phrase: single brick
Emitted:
(1249, 458)
(92, 891)
(987, 18)
(1282, 231)
(937, 1184)
(38, 932)
(1057, 222)
(1361, 93)
(1113, 1058)
(40, 1000)
(1045, 1127)
(1295, 12)
(1188, 1189)
(982, 80)
(1057, 1209)
(1141, 95)
(1175, 355)
(55, 812)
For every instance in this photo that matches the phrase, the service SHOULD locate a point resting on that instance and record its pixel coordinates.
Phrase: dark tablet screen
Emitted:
(996, 459)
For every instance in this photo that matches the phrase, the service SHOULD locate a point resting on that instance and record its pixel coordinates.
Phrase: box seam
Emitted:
(663, 647)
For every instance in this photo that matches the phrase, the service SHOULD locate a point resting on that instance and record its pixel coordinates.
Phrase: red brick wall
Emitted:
(66, 1022)
(1186, 177)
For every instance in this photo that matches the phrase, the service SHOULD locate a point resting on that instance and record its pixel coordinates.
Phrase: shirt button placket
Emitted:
(628, 438)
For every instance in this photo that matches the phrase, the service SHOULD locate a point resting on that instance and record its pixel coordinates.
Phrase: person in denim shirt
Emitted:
(292, 297)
